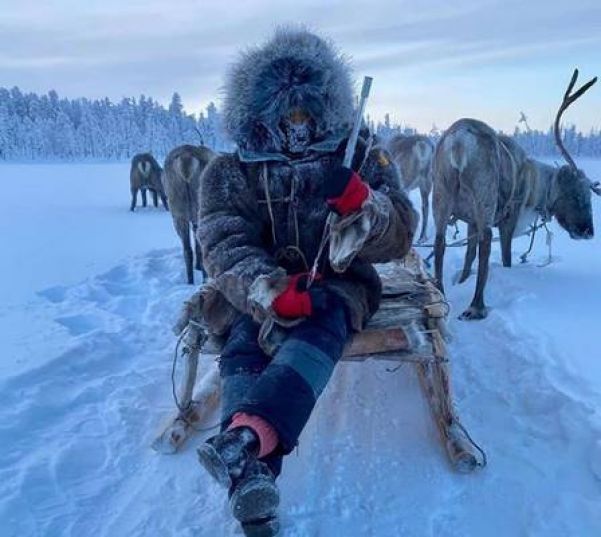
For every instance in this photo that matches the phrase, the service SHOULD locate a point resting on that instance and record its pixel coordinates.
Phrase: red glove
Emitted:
(345, 191)
(296, 301)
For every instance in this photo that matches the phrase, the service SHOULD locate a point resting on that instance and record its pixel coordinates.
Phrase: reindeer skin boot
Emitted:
(231, 459)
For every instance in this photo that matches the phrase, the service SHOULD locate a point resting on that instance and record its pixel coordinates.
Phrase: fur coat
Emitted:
(262, 213)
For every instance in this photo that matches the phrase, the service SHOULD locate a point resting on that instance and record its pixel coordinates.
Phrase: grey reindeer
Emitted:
(484, 180)
(183, 168)
(146, 174)
(413, 155)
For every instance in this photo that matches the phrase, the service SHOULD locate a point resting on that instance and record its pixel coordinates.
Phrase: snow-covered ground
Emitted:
(59, 224)
(89, 293)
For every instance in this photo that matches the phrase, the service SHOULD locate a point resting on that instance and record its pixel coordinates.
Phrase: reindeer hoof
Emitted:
(461, 277)
(474, 314)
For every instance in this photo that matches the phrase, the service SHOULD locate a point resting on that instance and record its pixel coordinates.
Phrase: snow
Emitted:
(58, 224)
(89, 294)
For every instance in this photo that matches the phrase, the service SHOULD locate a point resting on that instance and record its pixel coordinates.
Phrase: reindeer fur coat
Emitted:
(262, 214)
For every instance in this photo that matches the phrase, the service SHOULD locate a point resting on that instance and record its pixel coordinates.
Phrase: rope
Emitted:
(549, 240)
(325, 237)
(179, 406)
(456, 234)
(183, 409)
(534, 229)
(425, 360)
(294, 208)
(284, 252)
(463, 242)
(454, 244)
(484, 462)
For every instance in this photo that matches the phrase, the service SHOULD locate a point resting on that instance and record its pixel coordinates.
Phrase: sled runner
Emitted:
(408, 327)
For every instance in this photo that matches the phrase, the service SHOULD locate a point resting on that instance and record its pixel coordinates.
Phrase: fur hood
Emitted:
(294, 68)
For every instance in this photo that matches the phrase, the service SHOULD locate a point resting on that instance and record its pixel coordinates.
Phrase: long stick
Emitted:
(349, 153)
(351, 145)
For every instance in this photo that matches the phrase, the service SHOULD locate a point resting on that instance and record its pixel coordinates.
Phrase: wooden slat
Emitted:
(377, 341)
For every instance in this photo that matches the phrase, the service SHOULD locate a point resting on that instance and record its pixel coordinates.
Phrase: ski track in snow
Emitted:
(76, 429)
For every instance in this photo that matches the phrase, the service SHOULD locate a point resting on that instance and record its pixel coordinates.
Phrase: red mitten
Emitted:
(345, 191)
(295, 300)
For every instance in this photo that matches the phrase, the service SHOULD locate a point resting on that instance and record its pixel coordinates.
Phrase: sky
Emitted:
(433, 61)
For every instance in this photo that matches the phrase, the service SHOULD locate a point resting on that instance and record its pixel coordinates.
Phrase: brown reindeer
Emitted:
(146, 174)
(183, 168)
(413, 155)
(483, 179)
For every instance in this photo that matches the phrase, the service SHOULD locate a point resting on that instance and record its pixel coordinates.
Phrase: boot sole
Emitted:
(213, 463)
(261, 528)
(254, 499)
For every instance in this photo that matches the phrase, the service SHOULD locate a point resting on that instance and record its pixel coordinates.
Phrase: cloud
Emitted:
(426, 48)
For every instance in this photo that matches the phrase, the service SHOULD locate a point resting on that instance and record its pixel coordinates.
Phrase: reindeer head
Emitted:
(572, 190)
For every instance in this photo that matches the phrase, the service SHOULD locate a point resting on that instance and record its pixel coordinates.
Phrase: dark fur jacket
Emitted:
(262, 214)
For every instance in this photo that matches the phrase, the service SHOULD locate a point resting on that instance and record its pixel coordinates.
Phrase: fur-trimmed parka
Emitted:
(262, 213)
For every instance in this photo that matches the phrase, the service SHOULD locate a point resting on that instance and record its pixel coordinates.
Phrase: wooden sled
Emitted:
(408, 327)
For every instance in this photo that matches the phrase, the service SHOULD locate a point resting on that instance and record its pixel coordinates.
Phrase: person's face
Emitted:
(298, 128)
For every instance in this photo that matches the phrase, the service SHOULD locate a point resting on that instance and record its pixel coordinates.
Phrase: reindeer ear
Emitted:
(596, 187)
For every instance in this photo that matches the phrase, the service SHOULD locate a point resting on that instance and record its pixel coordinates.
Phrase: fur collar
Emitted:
(294, 68)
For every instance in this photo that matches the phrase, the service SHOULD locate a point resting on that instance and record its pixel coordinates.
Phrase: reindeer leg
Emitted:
(477, 309)
(470, 254)
(198, 251)
(164, 201)
(182, 227)
(506, 231)
(439, 248)
(134, 199)
(143, 197)
(425, 195)
(155, 198)
(442, 205)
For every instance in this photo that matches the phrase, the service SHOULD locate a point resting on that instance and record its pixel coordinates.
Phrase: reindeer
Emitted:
(413, 155)
(146, 174)
(183, 168)
(483, 180)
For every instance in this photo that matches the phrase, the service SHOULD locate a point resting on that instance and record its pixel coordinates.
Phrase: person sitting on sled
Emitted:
(289, 107)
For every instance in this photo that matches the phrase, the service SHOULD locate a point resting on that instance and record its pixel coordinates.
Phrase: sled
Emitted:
(408, 327)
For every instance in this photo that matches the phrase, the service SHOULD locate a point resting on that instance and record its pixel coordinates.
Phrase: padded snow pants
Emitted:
(282, 390)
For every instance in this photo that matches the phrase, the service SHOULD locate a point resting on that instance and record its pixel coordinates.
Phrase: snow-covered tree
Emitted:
(34, 127)
(45, 127)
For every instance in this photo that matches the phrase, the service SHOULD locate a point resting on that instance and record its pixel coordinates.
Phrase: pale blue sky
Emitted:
(433, 61)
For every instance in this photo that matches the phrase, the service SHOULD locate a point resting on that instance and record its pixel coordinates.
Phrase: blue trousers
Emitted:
(282, 390)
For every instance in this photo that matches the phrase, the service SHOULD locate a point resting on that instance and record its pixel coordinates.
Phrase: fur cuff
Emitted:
(350, 233)
(263, 291)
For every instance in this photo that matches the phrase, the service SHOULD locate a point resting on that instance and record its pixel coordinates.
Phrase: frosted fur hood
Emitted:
(294, 68)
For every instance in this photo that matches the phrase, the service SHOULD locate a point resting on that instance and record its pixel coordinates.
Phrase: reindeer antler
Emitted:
(568, 99)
